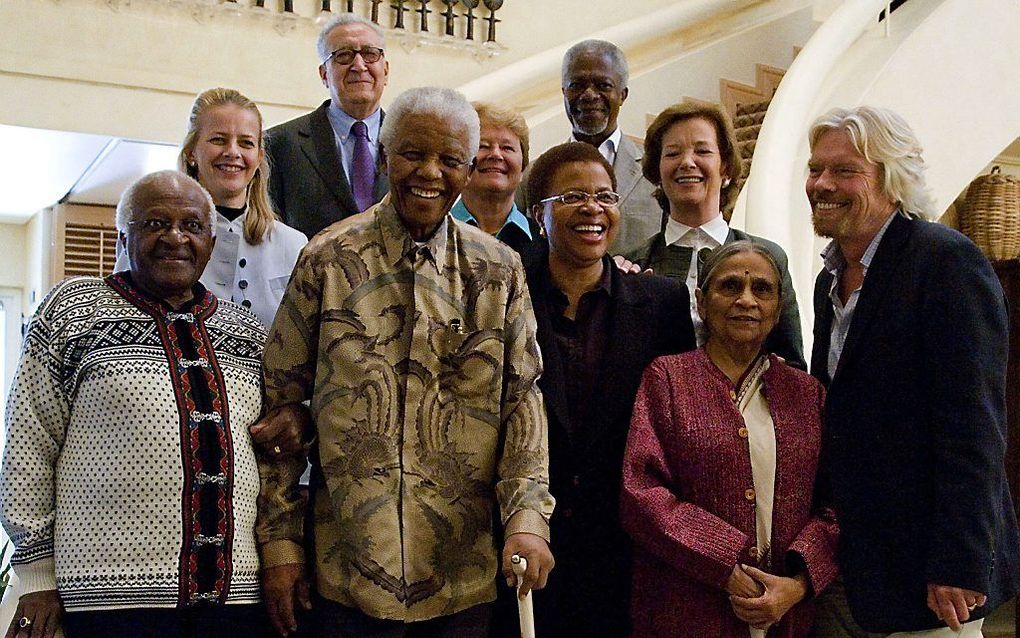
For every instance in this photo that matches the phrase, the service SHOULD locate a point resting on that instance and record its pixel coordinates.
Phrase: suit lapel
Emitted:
(319, 146)
(881, 272)
(627, 167)
(822, 328)
(551, 382)
(382, 183)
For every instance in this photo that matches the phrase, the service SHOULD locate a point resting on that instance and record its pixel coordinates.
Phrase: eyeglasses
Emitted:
(346, 56)
(160, 227)
(576, 198)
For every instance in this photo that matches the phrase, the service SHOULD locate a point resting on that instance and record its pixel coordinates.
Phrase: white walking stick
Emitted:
(525, 609)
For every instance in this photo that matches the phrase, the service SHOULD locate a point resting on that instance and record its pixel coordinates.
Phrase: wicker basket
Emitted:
(990, 215)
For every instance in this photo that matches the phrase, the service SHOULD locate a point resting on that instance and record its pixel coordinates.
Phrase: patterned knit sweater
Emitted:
(129, 478)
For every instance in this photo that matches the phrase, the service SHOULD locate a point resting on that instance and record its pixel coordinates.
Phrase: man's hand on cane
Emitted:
(540, 561)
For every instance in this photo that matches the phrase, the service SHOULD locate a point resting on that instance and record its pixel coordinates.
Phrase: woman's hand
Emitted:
(741, 585)
(781, 593)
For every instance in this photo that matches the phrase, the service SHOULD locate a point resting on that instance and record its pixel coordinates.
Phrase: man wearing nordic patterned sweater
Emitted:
(129, 479)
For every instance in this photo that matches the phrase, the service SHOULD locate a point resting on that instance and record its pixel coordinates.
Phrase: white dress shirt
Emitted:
(608, 147)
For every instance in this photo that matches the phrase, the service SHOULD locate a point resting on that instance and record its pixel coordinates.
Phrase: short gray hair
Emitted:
(176, 180)
(444, 104)
(884, 138)
(601, 48)
(321, 44)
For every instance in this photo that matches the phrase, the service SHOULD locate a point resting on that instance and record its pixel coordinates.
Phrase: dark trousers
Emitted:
(333, 620)
(212, 621)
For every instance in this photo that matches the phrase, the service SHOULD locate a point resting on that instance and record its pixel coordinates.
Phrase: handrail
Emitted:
(470, 32)
(784, 130)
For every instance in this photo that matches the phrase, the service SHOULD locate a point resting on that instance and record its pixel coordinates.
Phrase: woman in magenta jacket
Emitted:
(719, 472)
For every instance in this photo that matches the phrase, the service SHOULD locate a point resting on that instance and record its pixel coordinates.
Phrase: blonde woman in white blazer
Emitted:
(255, 252)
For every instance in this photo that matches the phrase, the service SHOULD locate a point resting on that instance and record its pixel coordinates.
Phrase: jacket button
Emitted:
(243, 262)
(246, 303)
(242, 284)
(742, 433)
(749, 494)
(753, 552)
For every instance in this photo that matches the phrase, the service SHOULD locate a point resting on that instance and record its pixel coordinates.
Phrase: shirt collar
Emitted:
(609, 147)
(399, 244)
(515, 218)
(603, 287)
(342, 122)
(716, 228)
(834, 261)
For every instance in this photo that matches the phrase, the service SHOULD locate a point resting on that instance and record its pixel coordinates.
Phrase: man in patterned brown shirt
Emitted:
(413, 336)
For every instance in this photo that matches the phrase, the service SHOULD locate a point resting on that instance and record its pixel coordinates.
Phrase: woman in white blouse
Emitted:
(255, 252)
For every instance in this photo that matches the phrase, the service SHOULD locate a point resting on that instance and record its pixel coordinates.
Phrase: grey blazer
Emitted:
(641, 216)
(307, 182)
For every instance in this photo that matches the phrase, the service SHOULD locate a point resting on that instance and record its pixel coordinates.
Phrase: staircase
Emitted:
(746, 106)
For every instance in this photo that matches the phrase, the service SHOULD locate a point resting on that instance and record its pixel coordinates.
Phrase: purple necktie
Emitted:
(362, 168)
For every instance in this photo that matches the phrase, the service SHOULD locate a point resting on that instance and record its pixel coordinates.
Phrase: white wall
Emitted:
(80, 65)
(38, 248)
(13, 255)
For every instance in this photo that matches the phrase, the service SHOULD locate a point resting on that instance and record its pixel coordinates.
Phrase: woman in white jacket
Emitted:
(255, 252)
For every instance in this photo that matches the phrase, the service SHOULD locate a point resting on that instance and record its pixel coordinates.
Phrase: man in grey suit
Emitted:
(323, 165)
(594, 82)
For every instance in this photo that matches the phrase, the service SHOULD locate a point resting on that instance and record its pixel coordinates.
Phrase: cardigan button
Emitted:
(243, 262)
(246, 303)
(753, 552)
(749, 494)
(242, 284)
(742, 433)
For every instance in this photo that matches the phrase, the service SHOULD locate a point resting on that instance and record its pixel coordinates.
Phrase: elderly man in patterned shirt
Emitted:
(413, 337)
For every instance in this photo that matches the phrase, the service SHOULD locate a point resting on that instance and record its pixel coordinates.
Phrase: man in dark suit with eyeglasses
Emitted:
(324, 164)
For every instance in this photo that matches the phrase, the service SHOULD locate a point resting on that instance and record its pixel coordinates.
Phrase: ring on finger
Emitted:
(24, 622)
(277, 450)
(972, 607)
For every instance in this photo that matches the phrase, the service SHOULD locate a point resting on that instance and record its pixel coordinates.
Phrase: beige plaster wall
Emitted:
(131, 72)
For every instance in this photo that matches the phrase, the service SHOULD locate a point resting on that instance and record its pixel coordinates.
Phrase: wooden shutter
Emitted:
(85, 241)
(89, 250)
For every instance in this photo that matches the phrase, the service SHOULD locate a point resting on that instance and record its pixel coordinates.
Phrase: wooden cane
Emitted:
(525, 608)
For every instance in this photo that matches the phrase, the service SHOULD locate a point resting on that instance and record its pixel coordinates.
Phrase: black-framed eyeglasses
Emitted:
(576, 198)
(346, 56)
(158, 226)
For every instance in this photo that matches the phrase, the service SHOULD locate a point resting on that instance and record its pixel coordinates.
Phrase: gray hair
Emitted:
(707, 271)
(600, 48)
(321, 44)
(884, 138)
(444, 104)
(175, 180)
